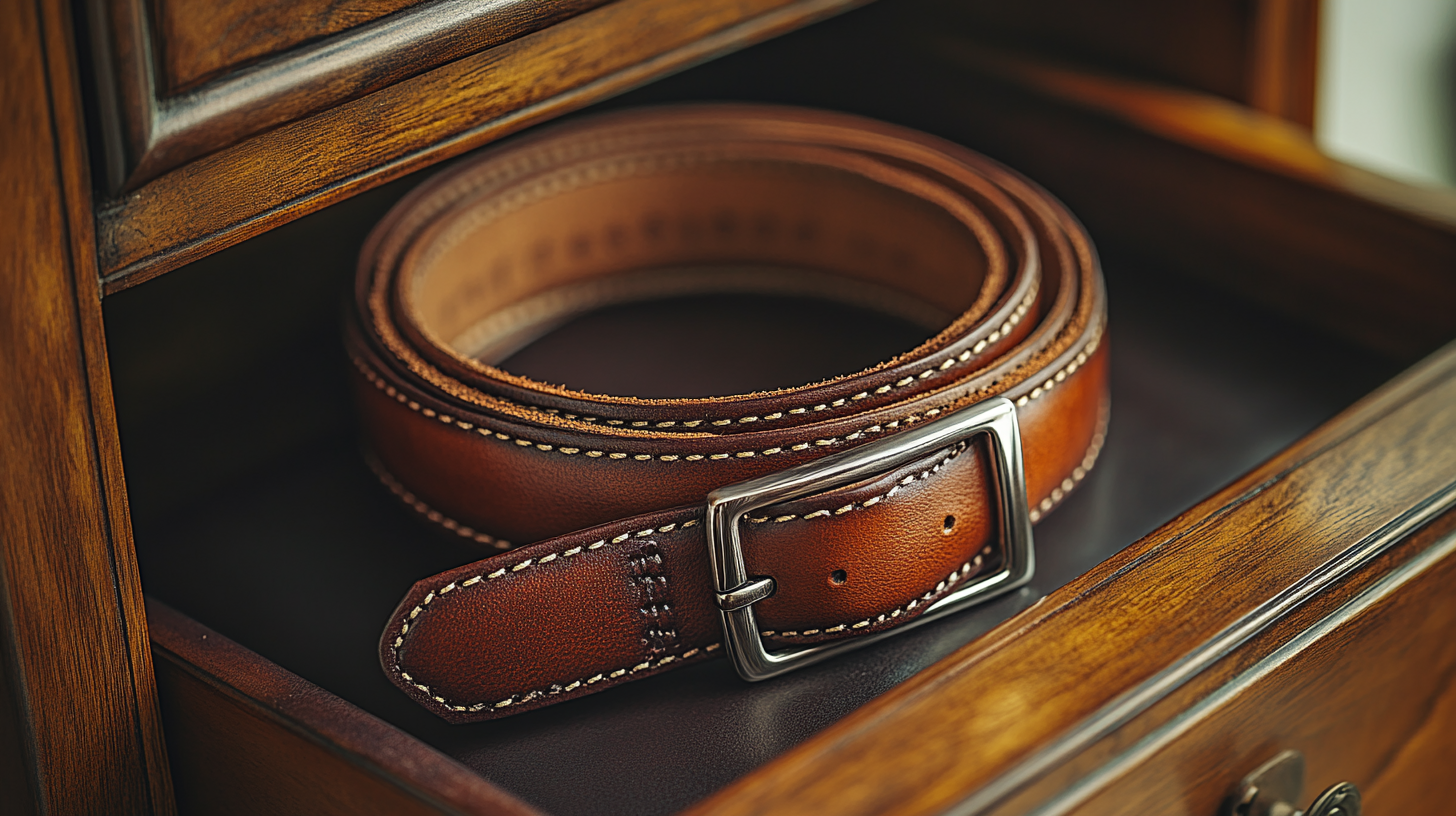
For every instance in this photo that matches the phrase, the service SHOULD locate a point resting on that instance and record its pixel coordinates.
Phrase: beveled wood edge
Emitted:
(1366, 598)
(76, 641)
(357, 737)
(866, 745)
(1089, 770)
(155, 132)
(127, 228)
(1175, 679)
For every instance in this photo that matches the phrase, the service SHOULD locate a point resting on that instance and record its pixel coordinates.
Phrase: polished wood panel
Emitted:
(279, 175)
(148, 131)
(986, 722)
(1417, 776)
(248, 737)
(1367, 695)
(1226, 673)
(200, 40)
(76, 648)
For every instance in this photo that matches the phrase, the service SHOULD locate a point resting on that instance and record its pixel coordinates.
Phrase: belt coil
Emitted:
(648, 204)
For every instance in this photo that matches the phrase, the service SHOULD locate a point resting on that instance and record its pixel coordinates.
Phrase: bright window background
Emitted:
(1387, 92)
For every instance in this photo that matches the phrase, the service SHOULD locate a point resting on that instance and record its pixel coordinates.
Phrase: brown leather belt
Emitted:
(839, 510)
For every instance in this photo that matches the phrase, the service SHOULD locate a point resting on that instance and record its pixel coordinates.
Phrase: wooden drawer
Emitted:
(1263, 498)
(1365, 692)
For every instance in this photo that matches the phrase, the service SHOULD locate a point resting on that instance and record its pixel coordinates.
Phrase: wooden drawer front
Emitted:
(1368, 694)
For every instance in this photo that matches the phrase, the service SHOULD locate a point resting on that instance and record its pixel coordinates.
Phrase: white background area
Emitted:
(1387, 86)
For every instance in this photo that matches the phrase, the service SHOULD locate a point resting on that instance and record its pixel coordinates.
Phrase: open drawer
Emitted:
(1249, 491)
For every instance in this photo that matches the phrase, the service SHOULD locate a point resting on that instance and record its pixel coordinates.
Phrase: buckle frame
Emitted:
(736, 592)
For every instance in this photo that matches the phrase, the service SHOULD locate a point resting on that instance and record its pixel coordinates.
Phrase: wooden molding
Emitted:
(204, 39)
(1381, 663)
(150, 131)
(72, 627)
(288, 171)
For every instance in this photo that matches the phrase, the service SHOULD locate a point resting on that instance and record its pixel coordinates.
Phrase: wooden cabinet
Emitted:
(261, 143)
(1260, 562)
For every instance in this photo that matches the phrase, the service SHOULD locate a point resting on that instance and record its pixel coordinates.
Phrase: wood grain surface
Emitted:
(76, 646)
(276, 176)
(1357, 692)
(150, 130)
(200, 40)
(986, 723)
(248, 737)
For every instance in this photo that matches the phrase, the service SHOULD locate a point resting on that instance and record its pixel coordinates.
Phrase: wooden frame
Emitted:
(75, 634)
(237, 191)
(78, 661)
(152, 128)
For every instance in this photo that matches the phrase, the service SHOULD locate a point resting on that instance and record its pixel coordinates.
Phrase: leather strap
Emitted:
(488, 256)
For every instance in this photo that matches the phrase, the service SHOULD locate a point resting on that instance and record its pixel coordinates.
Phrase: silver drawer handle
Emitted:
(1274, 787)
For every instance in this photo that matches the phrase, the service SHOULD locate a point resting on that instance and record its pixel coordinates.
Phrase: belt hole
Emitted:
(838, 577)
(949, 524)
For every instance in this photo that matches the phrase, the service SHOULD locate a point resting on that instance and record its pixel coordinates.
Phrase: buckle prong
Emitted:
(745, 595)
(736, 592)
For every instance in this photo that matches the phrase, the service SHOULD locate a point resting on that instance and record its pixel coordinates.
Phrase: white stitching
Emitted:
(951, 580)
(431, 513)
(557, 688)
(1035, 394)
(566, 688)
(870, 502)
(666, 528)
(1089, 461)
(951, 362)
(524, 565)
(569, 173)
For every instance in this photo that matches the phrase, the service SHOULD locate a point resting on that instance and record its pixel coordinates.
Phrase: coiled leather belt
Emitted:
(839, 510)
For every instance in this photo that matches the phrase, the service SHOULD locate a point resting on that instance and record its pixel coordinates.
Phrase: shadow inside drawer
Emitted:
(301, 556)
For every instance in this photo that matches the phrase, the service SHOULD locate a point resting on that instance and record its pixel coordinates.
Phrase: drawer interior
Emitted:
(254, 514)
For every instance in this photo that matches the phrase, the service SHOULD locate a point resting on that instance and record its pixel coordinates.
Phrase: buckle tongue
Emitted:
(746, 595)
(736, 592)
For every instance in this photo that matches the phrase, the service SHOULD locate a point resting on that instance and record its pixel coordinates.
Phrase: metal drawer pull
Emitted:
(1274, 787)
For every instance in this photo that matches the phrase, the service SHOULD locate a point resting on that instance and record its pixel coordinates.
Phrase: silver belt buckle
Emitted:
(737, 592)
